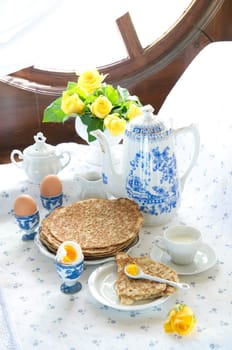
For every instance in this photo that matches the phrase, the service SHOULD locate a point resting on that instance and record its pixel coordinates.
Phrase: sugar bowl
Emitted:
(40, 159)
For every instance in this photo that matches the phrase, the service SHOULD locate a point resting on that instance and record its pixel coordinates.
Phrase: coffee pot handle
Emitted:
(196, 140)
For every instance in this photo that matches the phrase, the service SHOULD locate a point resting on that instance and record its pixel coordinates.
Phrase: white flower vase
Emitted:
(94, 155)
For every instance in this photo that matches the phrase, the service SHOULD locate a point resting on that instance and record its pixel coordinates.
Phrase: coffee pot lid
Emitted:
(147, 122)
(40, 147)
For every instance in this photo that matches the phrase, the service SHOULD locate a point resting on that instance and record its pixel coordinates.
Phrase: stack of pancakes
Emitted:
(131, 291)
(102, 227)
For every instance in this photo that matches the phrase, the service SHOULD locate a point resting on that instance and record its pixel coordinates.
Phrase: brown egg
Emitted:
(50, 186)
(25, 205)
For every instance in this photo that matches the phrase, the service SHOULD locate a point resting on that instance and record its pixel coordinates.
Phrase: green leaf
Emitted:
(53, 113)
(124, 93)
(92, 123)
(136, 100)
(110, 92)
(71, 85)
(90, 99)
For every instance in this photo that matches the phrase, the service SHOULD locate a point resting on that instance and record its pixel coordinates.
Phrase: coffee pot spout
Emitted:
(110, 177)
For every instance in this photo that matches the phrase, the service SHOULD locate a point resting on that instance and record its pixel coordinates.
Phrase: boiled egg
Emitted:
(50, 186)
(132, 269)
(25, 205)
(69, 252)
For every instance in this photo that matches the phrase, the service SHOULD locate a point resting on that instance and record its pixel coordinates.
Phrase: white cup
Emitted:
(181, 243)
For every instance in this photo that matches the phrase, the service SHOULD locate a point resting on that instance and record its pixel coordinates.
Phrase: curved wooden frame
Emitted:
(140, 64)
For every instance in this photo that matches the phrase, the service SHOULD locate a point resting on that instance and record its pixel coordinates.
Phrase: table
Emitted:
(41, 317)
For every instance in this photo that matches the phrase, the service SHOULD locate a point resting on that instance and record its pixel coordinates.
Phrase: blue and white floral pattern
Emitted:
(69, 274)
(161, 165)
(28, 225)
(52, 202)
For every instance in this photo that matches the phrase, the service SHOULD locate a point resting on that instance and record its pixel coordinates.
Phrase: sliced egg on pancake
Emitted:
(132, 269)
(69, 252)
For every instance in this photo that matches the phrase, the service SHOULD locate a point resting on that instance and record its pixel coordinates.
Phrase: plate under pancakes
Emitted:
(102, 227)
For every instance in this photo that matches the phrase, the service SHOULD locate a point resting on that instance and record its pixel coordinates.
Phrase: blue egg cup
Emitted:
(29, 225)
(52, 202)
(70, 274)
(71, 289)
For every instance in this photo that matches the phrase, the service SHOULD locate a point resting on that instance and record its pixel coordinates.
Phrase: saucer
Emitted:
(204, 259)
(101, 284)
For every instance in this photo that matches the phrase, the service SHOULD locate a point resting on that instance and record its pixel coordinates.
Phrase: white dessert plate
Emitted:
(205, 258)
(102, 287)
(44, 250)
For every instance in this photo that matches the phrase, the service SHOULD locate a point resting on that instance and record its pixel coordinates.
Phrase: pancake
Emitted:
(130, 290)
(102, 227)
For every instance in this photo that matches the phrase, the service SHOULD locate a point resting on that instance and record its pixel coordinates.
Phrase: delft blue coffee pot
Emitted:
(149, 171)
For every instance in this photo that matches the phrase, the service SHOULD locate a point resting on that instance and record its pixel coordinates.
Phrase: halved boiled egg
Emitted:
(69, 252)
(132, 269)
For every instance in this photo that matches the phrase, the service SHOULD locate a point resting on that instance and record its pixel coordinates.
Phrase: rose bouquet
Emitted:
(98, 105)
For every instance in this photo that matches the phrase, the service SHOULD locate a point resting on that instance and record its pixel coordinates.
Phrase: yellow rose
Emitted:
(101, 107)
(181, 320)
(133, 111)
(90, 80)
(114, 124)
(71, 103)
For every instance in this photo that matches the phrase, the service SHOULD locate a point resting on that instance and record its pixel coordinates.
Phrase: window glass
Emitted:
(153, 18)
(74, 35)
(89, 36)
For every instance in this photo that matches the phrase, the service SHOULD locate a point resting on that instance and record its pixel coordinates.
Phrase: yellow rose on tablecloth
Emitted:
(133, 111)
(101, 107)
(114, 124)
(90, 80)
(181, 320)
(71, 103)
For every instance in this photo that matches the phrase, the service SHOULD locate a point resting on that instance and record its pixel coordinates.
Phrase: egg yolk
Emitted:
(132, 269)
(71, 254)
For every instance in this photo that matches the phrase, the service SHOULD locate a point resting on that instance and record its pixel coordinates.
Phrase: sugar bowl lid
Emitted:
(40, 148)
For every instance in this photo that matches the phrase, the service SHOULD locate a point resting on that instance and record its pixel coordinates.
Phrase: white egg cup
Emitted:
(29, 225)
(69, 274)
